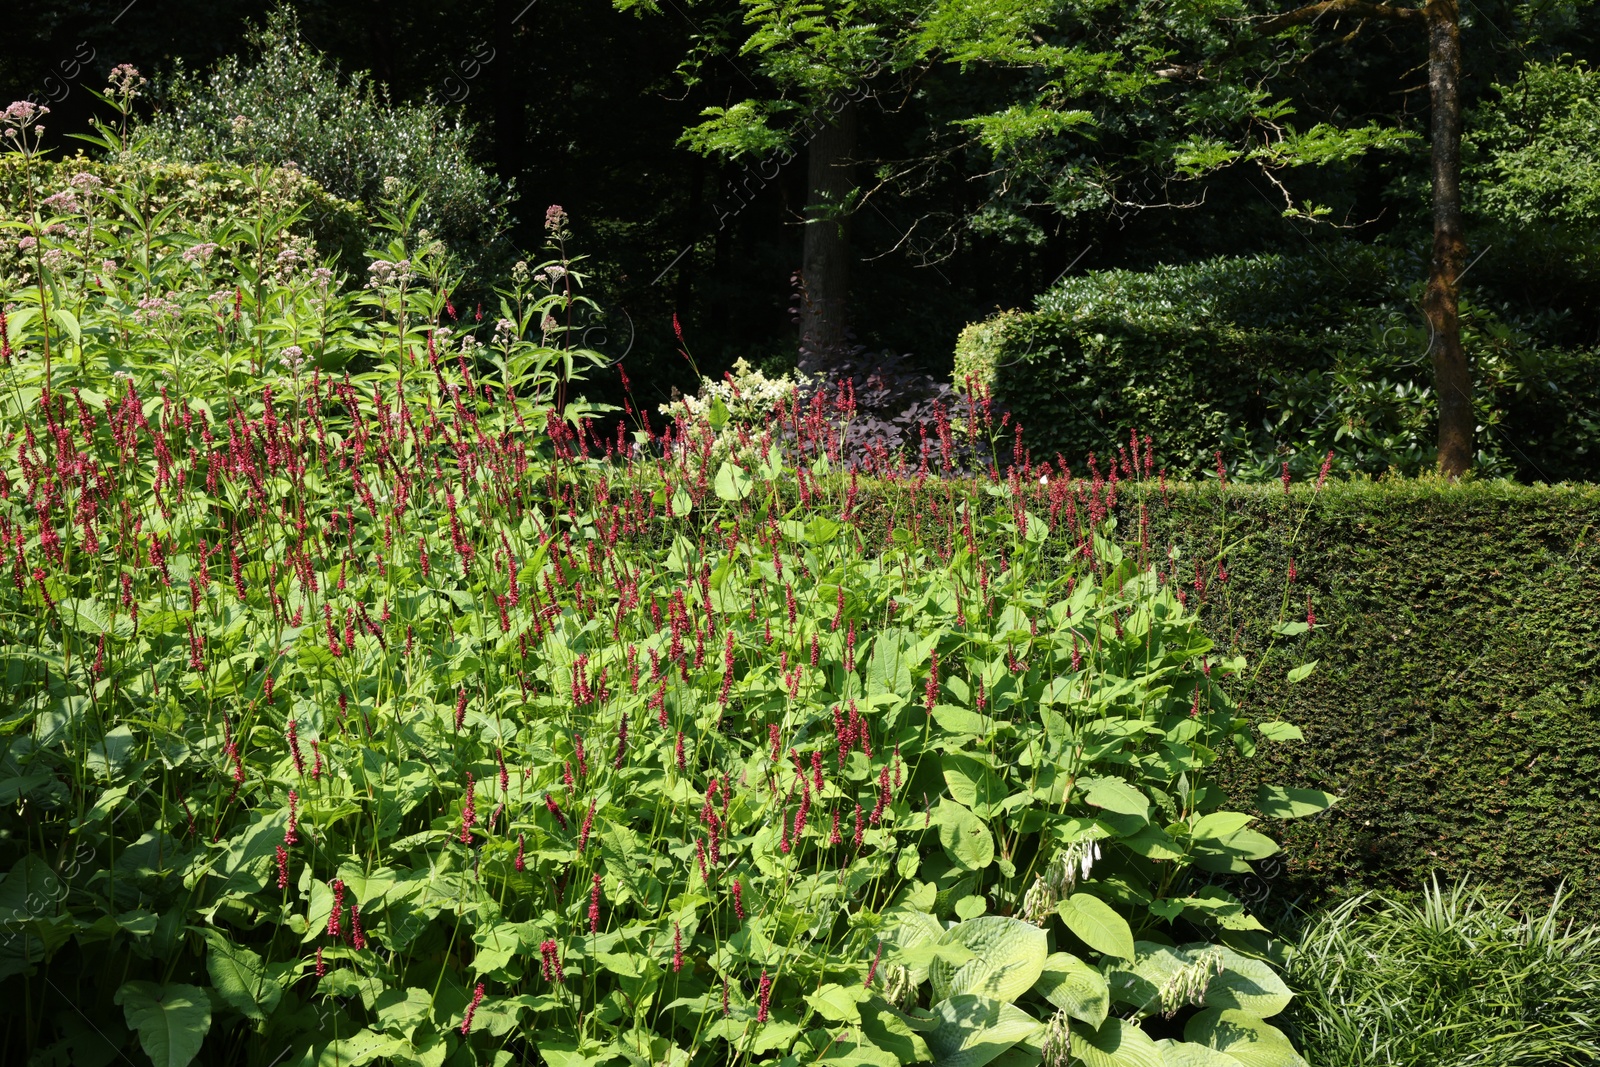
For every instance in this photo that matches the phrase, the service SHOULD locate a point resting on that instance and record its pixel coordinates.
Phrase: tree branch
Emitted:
(1362, 8)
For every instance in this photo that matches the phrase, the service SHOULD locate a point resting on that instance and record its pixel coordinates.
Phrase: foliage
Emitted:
(1456, 978)
(344, 678)
(1240, 354)
(1531, 187)
(1458, 682)
(129, 195)
(289, 105)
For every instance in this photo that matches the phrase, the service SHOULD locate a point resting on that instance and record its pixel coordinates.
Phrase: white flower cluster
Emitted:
(1188, 984)
(1068, 867)
(750, 395)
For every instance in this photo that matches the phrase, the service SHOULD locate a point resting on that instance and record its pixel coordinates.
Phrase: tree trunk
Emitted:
(825, 265)
(1451, 377)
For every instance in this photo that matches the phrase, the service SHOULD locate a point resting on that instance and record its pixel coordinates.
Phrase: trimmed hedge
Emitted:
(1278, 358)
(1455, 705)
(1456, 701)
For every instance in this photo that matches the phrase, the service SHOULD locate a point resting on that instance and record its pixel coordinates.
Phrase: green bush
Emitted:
(1278, 359)
(199, 199)
(1456, 702)
(290, 106)
(1457, 979)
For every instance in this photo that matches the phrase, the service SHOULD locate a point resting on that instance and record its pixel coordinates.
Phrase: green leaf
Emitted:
(971, 783)
(1219, 824)
(964, 836)
(1008, 957)
(1280, 731)
(240, 977)
(1244, 1037)
(1114, 794)
(1075, 987)
(839, 1003)
(1115, 1043)
(973, 1030)
(1247, 984)
(172, 1020)
(1277, 802)
(1097, 925)
(1189, 1054)
(1302, 672)
(732, 483)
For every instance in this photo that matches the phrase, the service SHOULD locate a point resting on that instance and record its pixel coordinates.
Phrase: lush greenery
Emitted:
(348, 673)
(287, 104)
(585, 106)
(1457, 977)
(1274, 358)
(1458, 680)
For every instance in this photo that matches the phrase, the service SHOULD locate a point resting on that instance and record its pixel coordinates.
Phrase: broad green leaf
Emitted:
(1189, 1054)
(1277, 802)
(1097, 925)
(1280, 731)
(1114, 794)
(971, 783)
(240, 977)
(1075, 987)
(1244, 1037)
(732, 483)
(1008, 957)
(171, 1020)
(973, 1030)
(839, 1003)
(1302, 672)
(1219, 824)
(964, 836)
(1115, 1043)
(1248, 984)
(957, 720)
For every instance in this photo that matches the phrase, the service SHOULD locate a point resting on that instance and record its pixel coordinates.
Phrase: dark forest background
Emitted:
(585, 105)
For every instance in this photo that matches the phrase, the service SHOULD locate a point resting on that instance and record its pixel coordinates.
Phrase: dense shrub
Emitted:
(289, 105)
(1456, 701)
(1274, 359)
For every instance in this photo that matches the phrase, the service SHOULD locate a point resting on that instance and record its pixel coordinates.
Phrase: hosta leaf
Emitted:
(973, 1030)
(1244, 1037)
(1114, 1043)
(1097, 925)
(1075, 987)
(1249, 985)
(1008, 957)
(171, 1020)
(1189, 1054)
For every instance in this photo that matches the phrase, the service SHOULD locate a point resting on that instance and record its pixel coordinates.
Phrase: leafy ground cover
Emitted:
(362, 705)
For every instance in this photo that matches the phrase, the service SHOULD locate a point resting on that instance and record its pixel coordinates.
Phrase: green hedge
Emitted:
(1456, 701)
(1274, 358)
(1455, 704)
